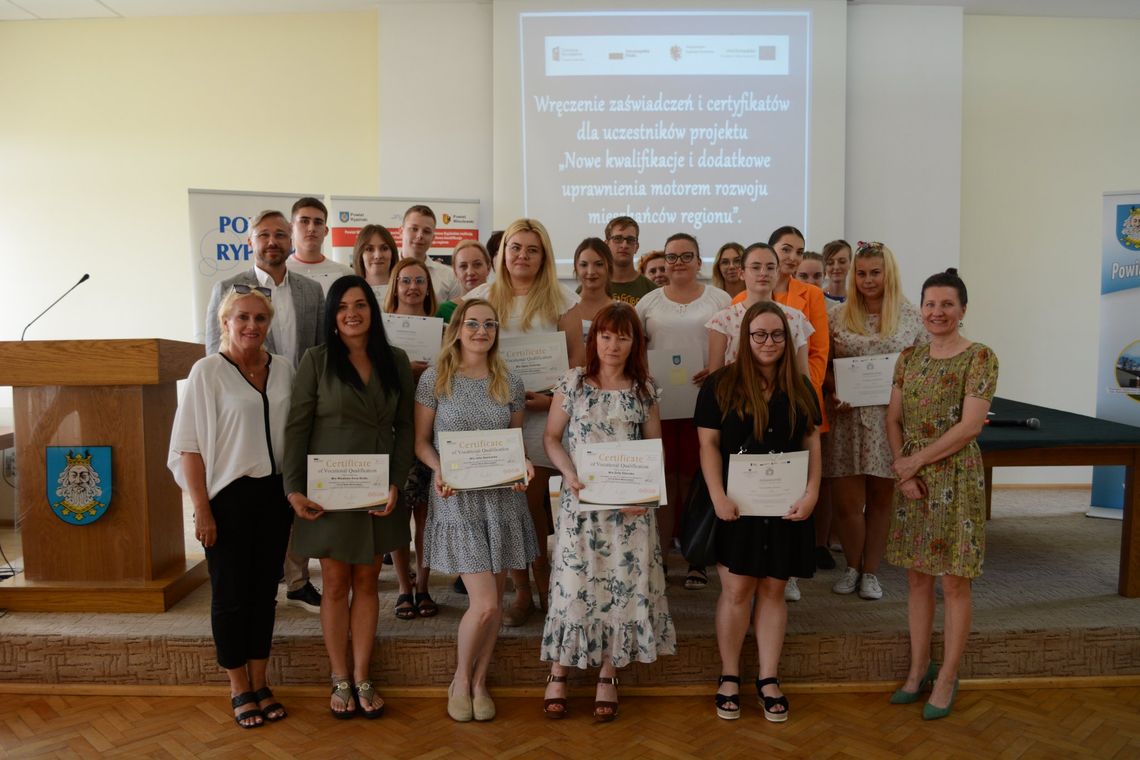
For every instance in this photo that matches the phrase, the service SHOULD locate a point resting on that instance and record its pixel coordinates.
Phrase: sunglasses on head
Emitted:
(245, 290)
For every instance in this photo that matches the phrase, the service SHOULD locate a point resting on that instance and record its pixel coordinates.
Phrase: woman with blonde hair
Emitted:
(471, 264)
(836, 265)
(374, 255)
(728, 268)
(876, 319)
(761, 403)
(477, 534)
(528, 298)
(236, 401)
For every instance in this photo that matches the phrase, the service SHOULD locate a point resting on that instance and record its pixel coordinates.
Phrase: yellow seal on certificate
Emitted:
(539, 359)
(621, 474)
(475, 460)
(347, 482)
(766, 485)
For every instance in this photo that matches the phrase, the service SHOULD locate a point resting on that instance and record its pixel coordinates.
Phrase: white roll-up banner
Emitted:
(1118, 365)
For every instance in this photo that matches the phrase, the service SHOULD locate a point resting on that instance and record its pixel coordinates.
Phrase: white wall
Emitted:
(1050, 122)
(904, 135)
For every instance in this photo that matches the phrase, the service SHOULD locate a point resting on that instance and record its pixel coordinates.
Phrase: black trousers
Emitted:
(253, 519)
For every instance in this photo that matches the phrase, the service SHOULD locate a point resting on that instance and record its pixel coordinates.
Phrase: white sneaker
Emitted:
(869, 587)
(792, 591)
(847, 583)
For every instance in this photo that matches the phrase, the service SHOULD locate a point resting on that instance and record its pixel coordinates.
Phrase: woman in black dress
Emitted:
(758, 404)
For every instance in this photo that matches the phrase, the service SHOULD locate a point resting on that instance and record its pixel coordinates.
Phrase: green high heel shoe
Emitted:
(930, 712)
(904, 697)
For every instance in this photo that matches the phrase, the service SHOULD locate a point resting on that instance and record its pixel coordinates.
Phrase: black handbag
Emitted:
(698, 524)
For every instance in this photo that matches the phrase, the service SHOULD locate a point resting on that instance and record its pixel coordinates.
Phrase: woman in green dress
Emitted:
(352, 395)
(941, 394)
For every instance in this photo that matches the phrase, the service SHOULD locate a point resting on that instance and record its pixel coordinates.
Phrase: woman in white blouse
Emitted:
(528, 298)
(225, 453)
(674, 317)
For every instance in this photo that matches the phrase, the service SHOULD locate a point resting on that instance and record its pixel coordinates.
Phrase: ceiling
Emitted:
(27, 10)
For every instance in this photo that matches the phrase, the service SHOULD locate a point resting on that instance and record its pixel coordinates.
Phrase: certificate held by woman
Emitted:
(472, 460)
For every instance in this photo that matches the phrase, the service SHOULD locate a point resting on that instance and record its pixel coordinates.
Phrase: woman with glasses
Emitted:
(411, 293)
(674, 318)
(528, 298)
(594, 268)
(876, 319)
(607, 595)
(478, 534)
(225, 452)
(727, 269)
(472, 266)
(353, 395)
(373, 257)
(758, 404)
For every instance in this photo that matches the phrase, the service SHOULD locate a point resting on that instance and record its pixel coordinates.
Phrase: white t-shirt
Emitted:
(326, 272)
(534, 423)
(681, 326)
(727, 322)
(222, 417)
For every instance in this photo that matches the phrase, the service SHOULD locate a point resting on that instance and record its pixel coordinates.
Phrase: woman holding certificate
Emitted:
(477, 533)
(607, 589)
(674, 319)
(411, 293)
(373, 257)
(876, 322)
(759, 404)
(235, 403)
(529, 299)
(352, 395)
(939, 401)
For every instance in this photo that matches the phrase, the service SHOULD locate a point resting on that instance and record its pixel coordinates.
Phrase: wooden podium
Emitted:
(117, 393)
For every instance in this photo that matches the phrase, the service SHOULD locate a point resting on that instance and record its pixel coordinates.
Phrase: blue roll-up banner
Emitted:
(1118, 368)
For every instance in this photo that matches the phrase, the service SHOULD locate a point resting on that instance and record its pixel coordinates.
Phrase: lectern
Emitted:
(87, 393)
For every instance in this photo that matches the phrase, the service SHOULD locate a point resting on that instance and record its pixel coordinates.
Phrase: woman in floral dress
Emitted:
(607, 586)
(941, 394)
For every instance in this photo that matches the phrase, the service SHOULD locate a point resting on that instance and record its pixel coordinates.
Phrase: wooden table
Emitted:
(1066, 439)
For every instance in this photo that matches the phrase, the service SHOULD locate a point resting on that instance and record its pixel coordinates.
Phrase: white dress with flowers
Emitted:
(607, 581)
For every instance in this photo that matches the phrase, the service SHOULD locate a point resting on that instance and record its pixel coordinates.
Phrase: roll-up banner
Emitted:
(219, 238)
(1118, 368)
(456, 220)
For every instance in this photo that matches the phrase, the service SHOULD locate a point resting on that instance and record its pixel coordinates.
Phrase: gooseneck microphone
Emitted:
(82, 280)
(1032, 423)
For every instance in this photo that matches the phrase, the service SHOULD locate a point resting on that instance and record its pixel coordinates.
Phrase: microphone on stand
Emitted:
(1032, 423)
(82, 280)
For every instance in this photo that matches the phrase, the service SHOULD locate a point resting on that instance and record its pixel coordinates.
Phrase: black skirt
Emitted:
(767, 547)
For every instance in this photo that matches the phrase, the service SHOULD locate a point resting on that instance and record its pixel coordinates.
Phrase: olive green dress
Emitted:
(329, 416)
(944, 533)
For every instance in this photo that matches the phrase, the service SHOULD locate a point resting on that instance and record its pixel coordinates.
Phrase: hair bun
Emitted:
(952, 270)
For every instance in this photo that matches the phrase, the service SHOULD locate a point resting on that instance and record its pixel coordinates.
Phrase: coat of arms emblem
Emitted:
(78, 482)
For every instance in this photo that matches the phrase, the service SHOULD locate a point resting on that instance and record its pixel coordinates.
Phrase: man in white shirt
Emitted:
(310, 228)
(298, 310)
(416, 234)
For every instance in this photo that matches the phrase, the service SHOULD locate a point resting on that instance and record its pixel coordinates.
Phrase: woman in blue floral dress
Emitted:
(607, 586)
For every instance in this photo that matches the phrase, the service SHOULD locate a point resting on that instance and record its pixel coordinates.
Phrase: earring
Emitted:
(961, 324)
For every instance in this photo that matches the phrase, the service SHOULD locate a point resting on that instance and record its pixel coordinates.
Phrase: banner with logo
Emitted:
(1118, 368)
(219, 232)
(456, 220)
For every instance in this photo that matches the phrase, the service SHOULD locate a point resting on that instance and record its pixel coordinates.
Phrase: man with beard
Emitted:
(298, 308)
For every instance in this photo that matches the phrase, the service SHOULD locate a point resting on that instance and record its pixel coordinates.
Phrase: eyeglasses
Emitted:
(862, 248)
(760, 337)
(627, 239)
(684, 258)
(410, 280)
(473, 325)
(244, 290)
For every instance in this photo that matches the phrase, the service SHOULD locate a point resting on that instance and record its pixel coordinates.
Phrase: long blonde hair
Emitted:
(741, 388)
(545, 300)
(227, 306)
(451, 356)
(853, 312)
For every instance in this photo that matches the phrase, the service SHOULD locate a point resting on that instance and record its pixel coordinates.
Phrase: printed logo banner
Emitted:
(456, 220)
(1118, 367)
(219, 238)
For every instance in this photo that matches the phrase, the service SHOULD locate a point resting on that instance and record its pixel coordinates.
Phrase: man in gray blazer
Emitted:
(298, 309)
